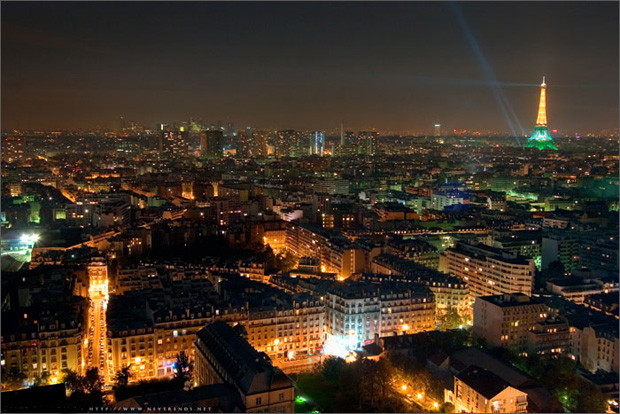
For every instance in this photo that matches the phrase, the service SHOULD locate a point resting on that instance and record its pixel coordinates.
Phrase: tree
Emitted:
(183, 368)
(447, 408)
(87, 390)
(42, 380)
(12, 379)
(122, 377)
(286, 262)
(92, 381)
(451, 320)
(72, 380)
(384, 376)
(332, 368)
(590, 399)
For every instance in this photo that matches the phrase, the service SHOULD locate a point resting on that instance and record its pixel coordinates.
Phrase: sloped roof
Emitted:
(482, 381)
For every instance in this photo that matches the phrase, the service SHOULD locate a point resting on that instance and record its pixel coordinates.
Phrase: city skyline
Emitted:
(269, 66)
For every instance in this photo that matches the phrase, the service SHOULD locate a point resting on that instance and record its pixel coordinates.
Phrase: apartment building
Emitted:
(359, 310)
(450, 292)
(505, 320)
(490, 271)
(223, 356)
(477, 390)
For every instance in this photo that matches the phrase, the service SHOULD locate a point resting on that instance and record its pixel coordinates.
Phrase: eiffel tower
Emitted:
(540, 138)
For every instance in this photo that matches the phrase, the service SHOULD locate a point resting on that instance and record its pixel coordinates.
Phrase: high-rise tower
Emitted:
(540, 138)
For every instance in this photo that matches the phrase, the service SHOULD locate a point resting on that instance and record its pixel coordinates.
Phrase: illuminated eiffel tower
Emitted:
(540, 138)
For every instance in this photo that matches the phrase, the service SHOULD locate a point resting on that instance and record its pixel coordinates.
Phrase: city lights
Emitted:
(278, 213)
(29, 238)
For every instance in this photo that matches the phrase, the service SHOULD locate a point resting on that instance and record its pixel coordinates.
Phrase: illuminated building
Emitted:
(477, 390)
(367, 143)
(416, 250)
(259, 144)
(550, 336)
(394, 211)
(600, 254)
(336, 253)
(449, 292)
(275, 238)
(98, 277)
(18, 246)
(291, 335)
(243, 144)
(437, 130)
(356, 311)
(223, 356)
(353, 313)
(43, 326)
(13, 148)
(211, 144)
(38, 343)
(331, 186)
(505, 320)
(490, 271)
(173, 142)
(540, 138)
(290, 332)
(524, 243)
(441, 200)
(114, 212)
(318, 147)
(405, 309)
(253, 270)
(286, 143)
(582, 283)
(599, 348)
(562, 247)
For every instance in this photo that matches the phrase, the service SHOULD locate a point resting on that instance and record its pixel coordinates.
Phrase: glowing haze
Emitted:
(401, 65)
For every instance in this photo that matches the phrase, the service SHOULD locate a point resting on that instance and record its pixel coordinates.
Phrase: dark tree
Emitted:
(332, 368)
(183, 368)
(12, 379)
(451, 320)
(122, 377)
(72, 380)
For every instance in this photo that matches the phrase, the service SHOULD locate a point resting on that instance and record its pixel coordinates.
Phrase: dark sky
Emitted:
(396, 66)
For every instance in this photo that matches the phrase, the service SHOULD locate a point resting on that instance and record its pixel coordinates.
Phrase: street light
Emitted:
(404, 387)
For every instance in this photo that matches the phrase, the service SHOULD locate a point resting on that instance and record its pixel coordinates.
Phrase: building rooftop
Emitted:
(482, 381)
(250, 370)
(482, 251)
(509, 300)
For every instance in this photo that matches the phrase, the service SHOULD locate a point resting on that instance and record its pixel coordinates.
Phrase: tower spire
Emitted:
(540, 138)
(541, 120)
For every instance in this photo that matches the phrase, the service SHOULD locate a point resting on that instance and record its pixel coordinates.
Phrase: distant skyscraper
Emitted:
(173, 141)
(540, 138)
(211, 143)
(367, 143)
(437, 130)
(319, 143)
(286, 143)
(259, 144)
(243, 143)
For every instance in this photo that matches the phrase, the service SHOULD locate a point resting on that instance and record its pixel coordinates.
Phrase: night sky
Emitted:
(392, 66)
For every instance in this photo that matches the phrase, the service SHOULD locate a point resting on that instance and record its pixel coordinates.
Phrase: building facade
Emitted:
(490, 271)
